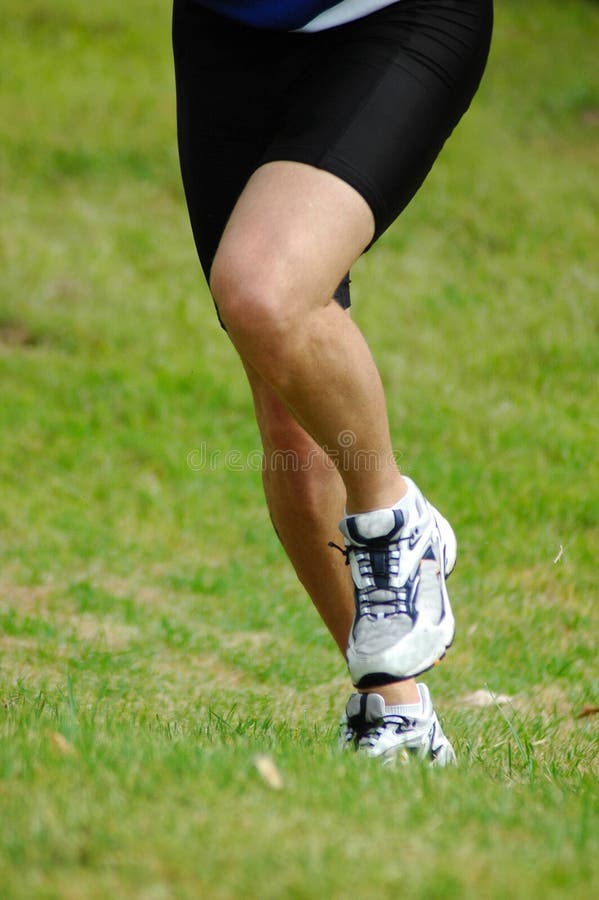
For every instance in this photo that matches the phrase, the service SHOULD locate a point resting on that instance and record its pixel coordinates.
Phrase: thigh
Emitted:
(383, 95)
(233, 86)
(294, 231)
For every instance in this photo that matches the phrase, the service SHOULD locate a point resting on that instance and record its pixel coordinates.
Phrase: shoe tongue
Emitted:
(368, 707)
(375, 708)
(372, 526)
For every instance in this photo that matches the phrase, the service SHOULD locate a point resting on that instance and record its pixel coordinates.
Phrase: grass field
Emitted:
(153, 639)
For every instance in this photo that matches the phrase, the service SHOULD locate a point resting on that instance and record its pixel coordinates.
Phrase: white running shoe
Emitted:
(403, 622)
(394, 738)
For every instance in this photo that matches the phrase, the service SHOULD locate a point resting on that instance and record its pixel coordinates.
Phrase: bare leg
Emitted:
(292, 236)
(294, 233)
(306, 498)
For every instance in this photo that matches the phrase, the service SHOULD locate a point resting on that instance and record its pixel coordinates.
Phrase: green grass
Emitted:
(153, 640)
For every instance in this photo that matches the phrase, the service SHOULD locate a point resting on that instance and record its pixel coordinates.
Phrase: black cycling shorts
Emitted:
(372, 101)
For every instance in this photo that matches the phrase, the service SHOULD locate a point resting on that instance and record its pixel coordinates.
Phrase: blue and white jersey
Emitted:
(294, 15)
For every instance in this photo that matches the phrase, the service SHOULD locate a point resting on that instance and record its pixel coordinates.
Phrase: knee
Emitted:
(252, 300)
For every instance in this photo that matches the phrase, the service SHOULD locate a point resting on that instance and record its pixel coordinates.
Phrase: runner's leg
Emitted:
(292, 236)
(306, 498)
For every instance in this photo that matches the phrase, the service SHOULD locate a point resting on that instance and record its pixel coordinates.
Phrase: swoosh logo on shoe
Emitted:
(415, 536)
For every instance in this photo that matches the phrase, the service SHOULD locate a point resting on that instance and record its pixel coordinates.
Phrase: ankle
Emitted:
(398, 693)
(383, 497)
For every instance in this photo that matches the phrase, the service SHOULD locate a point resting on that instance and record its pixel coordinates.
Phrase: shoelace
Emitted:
(361, 733)
(379, 562)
